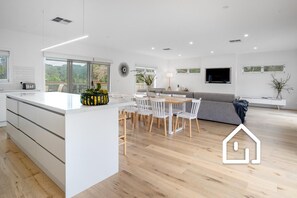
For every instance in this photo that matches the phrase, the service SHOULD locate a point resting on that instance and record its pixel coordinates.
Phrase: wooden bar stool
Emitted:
(123, 137)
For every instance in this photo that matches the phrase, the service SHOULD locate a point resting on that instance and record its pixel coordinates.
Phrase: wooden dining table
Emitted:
(174, 100)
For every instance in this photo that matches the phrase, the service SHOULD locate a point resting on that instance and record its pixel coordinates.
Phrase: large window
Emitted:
(4, 66)
(149, 71)
(75, 76)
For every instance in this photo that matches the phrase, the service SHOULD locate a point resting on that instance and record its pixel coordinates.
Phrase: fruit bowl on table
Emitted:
(93, 97)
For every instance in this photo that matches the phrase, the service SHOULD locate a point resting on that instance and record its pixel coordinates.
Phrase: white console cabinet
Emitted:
(266, 101)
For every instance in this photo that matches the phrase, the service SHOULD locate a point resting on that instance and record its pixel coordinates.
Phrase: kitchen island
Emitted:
(75, 145)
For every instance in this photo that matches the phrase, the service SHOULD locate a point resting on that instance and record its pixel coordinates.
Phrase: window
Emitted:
(4, 55)
(149, 71)
(181, 71)
(274, 68)
(75, 76)
(194, 70)
(252, 69)
(267, 68)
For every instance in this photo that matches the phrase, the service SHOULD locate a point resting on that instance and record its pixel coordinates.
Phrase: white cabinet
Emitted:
(51, 121)
(2, 109)
(49, 141)
(40, 134)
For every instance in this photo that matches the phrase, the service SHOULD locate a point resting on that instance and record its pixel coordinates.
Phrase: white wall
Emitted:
(26, 57)
(242, 84)
(259, 85)
(196, 82)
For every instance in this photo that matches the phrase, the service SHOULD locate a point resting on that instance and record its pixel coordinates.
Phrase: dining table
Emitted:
(174, 100)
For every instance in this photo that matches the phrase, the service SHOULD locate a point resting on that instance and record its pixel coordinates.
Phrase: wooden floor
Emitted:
(177, 166)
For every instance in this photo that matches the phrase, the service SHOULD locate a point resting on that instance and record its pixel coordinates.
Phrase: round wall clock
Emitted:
(124, 69)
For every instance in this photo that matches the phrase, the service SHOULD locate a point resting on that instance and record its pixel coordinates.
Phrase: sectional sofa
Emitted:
(214, 106)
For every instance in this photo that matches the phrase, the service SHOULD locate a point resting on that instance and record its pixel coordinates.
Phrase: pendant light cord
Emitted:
(83, 17)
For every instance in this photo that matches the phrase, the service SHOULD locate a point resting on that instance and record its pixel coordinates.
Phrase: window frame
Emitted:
(6, 54)
(69, 71)
(144, 69)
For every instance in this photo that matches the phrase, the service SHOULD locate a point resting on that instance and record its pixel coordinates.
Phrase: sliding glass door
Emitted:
(74, 76)
(100, 74)
(56, 75)
(80, 76)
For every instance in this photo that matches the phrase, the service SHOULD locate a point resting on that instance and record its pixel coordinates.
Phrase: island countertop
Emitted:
(64, 103)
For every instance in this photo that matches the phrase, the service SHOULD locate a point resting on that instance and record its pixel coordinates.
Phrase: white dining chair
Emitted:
(143, 108)
(131, 111)
(158, 111)
(190, 116)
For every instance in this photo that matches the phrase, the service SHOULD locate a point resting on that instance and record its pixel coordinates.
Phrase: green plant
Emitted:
(280, 85)
(98, 90)
(148, 79)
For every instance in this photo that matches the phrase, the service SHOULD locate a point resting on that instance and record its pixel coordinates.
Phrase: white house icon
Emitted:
(246, 151)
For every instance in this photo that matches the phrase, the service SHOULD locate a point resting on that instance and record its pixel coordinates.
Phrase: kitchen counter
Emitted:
(64, 102)
(75, 145)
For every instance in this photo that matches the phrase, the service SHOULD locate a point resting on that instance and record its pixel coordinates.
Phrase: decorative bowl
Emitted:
(94, 99)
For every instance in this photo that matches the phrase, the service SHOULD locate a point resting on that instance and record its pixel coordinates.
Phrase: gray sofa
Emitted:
(214, 106)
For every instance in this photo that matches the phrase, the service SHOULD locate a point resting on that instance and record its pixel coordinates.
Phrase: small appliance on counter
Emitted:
(28, 86)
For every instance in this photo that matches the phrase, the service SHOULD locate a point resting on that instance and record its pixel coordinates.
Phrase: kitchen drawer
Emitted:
(54, 168)
(51, 142)
(51, 121)
(12, 105)
(12, 118)
(12, 131)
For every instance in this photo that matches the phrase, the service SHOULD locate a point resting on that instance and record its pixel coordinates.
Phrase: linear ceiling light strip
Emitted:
(66, 42)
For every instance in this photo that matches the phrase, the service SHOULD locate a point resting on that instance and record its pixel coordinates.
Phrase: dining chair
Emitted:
(190, 116)
(143, 108)
(131, 111)
(158, 111)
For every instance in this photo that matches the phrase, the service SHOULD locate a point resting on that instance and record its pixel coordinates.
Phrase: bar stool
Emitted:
(123, 137)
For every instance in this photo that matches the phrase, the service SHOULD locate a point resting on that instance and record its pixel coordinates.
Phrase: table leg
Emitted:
(170, 119)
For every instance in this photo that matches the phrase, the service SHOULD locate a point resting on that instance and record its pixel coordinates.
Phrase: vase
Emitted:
(148, 87)
(279, 95)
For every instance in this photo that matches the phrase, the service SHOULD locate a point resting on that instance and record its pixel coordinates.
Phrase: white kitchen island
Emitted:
(75, 145)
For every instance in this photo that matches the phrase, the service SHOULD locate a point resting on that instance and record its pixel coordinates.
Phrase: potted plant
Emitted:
(280, 85)
(148, 79)
(97, 96)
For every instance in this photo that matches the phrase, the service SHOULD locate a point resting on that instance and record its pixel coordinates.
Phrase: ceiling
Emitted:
(139, 25)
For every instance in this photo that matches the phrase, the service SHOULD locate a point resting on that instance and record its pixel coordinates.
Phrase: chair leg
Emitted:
(152, 119)
(125, 135)
(159, 123)
(197, 123)
(165, 130)
(190, 126)
(176, 122)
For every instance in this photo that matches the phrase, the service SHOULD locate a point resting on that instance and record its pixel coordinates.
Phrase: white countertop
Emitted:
(64, 102)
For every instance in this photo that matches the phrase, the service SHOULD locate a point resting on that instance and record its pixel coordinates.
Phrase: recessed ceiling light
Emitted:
(246, 35)
(255, 48)
(191, 42)
(153, 48)
(179, 55)
(211, 52)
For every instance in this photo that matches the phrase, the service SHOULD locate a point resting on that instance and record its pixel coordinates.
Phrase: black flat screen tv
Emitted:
(217, 75)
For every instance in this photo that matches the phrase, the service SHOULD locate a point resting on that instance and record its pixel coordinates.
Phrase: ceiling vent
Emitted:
(235, 41)
(167, 49)
(61, 20)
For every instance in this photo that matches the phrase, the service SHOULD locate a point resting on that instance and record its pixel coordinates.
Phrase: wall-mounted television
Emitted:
(218, 75)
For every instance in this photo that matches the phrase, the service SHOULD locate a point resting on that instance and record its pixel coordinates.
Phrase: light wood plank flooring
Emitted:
(177, 166)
